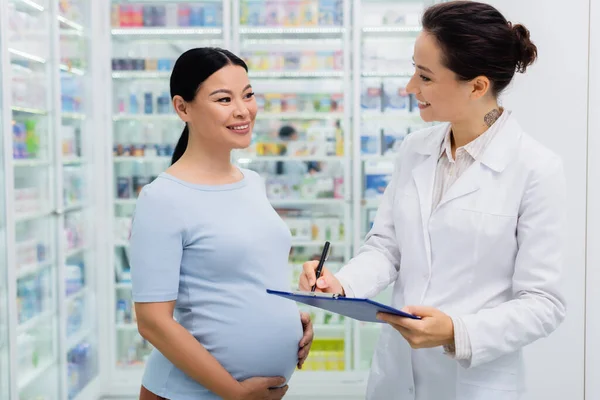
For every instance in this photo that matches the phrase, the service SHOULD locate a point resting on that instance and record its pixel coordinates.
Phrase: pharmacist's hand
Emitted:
(327, 283)
(307, 338)
(260, 389)
(433, 329)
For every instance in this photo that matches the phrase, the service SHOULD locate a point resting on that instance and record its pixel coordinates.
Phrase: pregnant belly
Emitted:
(258, 342)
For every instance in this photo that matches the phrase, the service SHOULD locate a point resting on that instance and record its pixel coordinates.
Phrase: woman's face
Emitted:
(224, 109)
(442, 96)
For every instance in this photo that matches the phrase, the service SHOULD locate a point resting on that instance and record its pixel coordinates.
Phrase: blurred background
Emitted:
(87, 121)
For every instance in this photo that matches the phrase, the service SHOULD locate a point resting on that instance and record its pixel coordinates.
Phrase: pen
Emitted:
(324, 255)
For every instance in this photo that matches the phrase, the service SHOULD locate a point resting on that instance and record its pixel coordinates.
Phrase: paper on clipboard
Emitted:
(356, 308)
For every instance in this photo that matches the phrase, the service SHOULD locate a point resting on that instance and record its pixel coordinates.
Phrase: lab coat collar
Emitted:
(498, 153)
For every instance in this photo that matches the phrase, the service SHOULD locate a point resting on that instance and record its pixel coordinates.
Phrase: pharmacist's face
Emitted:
(224, 109)
(442, 97)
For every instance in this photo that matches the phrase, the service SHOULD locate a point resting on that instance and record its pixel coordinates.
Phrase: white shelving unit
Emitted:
(45, 126)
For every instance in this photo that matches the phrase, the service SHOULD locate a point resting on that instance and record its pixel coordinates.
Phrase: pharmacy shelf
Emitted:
(74, 252)
(141, 74)
(378, 74)
(72, 70)
(243, 159)
(73, 160)
(128, 159)
(391, 116)
(34, 321)
(28, 5)
(378, 157)
(31, 376)
(371, 203)
(30, 163)
(66, 23)
(295, 74)
(72, 115)
(307, 202)
(329, 330)
(32, 269)
(299, 115)
(78, 294)
(125, 202)
(123, 286)
(392, 29)
(74, 207)
(127, 327)
(26, 110)
(121, 243)
(312, 30)
(316, 243)
(30, 216)
(77, 337)
(145, 117)
(166, 31)
(17, 54)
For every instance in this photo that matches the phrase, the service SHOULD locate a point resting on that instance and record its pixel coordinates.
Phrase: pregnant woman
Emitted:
(205, 245)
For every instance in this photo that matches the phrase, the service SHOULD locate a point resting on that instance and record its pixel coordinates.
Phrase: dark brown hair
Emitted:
(476, 40)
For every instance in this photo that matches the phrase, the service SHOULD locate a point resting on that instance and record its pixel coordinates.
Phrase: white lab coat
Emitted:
(491, 253)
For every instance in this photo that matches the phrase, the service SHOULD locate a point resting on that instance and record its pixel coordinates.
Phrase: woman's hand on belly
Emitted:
(262, 389)
(307, 338)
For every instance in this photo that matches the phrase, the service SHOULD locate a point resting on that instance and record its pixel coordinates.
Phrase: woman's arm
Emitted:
(156, 324)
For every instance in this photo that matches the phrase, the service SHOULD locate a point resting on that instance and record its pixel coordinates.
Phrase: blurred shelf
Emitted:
(296, 74)
(32, 269)
(75, 338)
(78, 294)
(377, 74)
(74, 207)
(309, 202)
(309, 30)
(392, 29)
(141, 74)
(125, 202)
(33, 322)
(66, 22)
(121, 243)
(123, 285)
(127, 327)
(332, 330)
(69, 253)
(23, 163)
(165, 31)
(33, 215)
(146, 117)
(391, 115)
(31, 376)
(72, 115)
(377, 157)
(126, 159)
(26, 110)
(28, 5)
(299, 115)
(72, 160)
(315, 243)
(22, 55)
(72, 70)
(248, 159)
(371, 203)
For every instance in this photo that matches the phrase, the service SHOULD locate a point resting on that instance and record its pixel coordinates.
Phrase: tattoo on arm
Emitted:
(492, 117)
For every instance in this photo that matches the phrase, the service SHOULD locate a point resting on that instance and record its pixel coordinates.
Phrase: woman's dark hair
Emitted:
(191, 69)
(476, 40)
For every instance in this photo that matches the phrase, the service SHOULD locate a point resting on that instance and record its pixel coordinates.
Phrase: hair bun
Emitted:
(526, 51)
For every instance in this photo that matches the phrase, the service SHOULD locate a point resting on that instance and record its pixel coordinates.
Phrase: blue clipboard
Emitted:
(356, 308)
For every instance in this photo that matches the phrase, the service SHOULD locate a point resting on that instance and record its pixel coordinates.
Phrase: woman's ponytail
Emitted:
(181, 145)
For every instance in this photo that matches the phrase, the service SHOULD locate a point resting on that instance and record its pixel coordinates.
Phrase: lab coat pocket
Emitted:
(498, 379)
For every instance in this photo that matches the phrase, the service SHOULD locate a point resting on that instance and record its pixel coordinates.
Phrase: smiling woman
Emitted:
(205, 244)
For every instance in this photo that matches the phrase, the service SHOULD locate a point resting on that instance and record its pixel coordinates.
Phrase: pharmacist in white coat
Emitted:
(470, 229)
